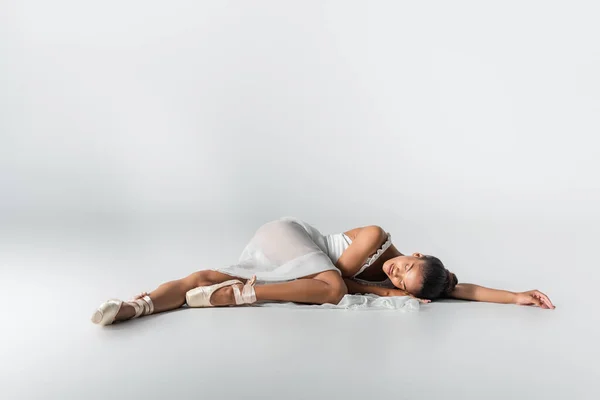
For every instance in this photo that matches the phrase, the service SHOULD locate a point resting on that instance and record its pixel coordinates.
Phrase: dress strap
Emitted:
(375, 256)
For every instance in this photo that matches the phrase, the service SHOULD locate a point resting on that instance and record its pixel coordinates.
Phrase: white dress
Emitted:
(289, 248)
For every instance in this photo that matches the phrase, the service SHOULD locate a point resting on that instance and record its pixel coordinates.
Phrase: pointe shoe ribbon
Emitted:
(248, 296)
(106, 313)
(143, 305)
(200, 296)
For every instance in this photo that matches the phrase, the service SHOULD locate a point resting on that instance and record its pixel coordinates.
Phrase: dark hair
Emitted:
(437, 280)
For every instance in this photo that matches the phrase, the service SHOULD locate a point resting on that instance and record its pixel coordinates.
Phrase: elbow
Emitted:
(378, 229)
(378, 234)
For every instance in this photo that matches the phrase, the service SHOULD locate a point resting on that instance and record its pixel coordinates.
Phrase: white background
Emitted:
(143, 140)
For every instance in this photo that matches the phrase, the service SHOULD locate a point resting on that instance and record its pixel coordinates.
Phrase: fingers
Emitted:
(540, 299)
(537, 298)
(532, 300)
(545, 299)
(540, 303)
(420, 300)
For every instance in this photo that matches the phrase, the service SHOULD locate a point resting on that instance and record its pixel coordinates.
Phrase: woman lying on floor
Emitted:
(289, 260)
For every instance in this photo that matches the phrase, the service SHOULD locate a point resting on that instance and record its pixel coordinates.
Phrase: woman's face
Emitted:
(405, 272)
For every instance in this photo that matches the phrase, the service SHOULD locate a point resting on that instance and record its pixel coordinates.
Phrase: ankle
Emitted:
(223, 297)
(126, 312)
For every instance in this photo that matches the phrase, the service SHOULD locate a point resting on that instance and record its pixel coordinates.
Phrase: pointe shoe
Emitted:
(106, 313)
(200, 296)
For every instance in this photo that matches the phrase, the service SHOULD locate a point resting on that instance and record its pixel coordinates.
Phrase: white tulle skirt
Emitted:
(356, 302)
(282, 250)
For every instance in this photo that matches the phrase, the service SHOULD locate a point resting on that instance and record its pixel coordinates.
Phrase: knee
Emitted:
(336, 287)
(337, 290)
(198, 278)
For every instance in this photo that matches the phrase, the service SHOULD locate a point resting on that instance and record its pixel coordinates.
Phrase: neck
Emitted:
(391, 252)
(375, 272)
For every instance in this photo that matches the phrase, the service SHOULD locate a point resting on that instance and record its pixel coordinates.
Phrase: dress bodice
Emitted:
(337, 243)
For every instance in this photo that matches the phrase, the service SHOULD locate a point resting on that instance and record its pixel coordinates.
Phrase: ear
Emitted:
(417, 255)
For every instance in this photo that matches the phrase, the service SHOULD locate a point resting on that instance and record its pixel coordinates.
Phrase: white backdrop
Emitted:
(417, 117)
(228, 109)
(467, 129)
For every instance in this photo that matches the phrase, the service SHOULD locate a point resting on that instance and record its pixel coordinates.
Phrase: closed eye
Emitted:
(403, 284)
(406, 269)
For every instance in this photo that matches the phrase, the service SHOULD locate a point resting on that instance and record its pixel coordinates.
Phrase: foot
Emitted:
(115, 310)
(127, 311)
(226, 293)
(224, 296)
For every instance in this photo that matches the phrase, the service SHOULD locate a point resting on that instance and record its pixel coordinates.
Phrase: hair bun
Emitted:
(452, 281)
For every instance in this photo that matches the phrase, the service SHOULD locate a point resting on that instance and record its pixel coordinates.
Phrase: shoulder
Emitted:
(366, 240)
(374, 233)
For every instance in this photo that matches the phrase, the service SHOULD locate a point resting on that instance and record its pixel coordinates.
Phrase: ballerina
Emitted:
(289, 260)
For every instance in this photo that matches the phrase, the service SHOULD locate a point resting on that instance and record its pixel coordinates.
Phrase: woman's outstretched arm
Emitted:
(468, 291)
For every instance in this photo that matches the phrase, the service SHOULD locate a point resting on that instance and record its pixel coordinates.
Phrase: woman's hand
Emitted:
(424, 301)
(398, 292)
(533, 297)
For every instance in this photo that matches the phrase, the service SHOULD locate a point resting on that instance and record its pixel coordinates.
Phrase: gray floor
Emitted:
(53, 280)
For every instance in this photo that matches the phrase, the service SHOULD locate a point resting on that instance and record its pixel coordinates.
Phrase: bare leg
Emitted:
(171, 295)
(324, 287)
